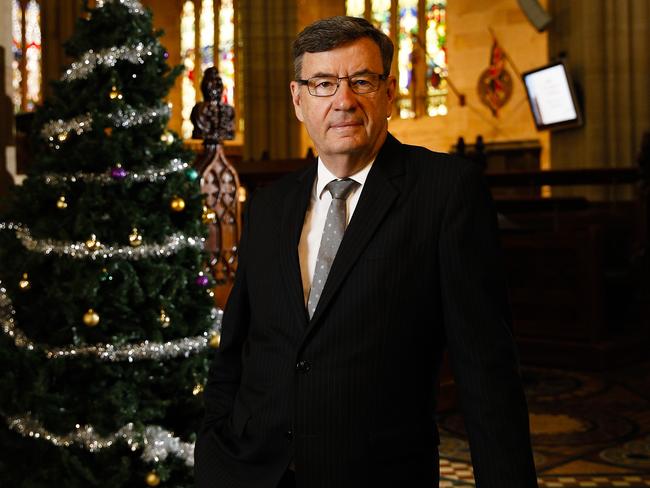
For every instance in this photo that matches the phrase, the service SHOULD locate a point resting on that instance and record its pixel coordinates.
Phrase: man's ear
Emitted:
(295, 98)
(391, 90)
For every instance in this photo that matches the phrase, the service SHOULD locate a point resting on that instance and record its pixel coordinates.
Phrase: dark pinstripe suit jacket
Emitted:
(350, 394)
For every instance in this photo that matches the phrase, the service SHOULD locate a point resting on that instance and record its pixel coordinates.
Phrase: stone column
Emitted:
(58, 19)
(267, 30)
(606, 47)
(7, 143)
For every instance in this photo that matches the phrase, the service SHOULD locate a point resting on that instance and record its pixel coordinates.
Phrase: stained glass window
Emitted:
(226, 64)
(380, 15)
(188, 48)
(207, 34)
(205, 56)
(17, 51)
(408, 26)
(26, 51)
(355, 8)
(436, 38)
(421, 76)
(33, 53)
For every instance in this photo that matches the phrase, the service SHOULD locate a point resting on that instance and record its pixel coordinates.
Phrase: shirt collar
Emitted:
(325, 176)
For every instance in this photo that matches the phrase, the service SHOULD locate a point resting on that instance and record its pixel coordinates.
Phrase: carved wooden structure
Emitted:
(213, 122)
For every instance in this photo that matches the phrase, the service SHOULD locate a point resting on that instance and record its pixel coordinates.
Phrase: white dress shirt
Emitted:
(312, 229)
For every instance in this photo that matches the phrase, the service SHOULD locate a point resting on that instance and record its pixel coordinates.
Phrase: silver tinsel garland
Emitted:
(130, 117)
(80, 250)
(156, 442)
(108, 352)
(133, 6)
(78, 125)
(123, 117)
(134, 352)
(150, 175)
(106, 57)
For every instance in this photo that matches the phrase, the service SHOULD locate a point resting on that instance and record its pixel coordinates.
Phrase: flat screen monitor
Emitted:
(552, 97)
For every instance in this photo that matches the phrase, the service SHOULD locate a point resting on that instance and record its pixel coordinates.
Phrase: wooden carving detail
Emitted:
(213, 122)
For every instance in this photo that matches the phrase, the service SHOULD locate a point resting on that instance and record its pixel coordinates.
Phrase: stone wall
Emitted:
(469, 43)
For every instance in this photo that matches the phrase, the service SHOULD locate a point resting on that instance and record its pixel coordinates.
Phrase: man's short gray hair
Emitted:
(327, 34)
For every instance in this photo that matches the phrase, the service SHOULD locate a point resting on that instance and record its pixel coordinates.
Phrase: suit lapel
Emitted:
(377, 197)
(293, 216)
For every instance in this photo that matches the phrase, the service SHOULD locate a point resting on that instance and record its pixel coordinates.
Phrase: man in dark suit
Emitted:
(347, 293)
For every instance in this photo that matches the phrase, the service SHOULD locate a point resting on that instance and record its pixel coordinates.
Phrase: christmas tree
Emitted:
(105, 301)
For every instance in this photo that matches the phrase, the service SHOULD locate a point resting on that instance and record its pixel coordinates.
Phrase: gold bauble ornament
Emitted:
(115, 93)
(209, 216)
(198, 389)
(177, 204)
(61, 203)
(24, 284)
(164, 318)
(167, 137)
(135, 239)
(108, 131)
(215, 340)
(91, 242)
(152, 479)
(62, 136)
(91, 318)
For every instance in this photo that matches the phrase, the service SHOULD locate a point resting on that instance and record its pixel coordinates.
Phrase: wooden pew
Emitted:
(577, 269)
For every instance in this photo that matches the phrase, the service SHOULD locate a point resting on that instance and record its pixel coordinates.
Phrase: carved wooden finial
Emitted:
(213, 122)
(213, 119)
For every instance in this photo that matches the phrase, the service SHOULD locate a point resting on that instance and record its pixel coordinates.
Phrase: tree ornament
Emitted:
(92, 242)
(209, 216)
(61, 203)
(105, 275)
(118, 173)
(115, 93)
(215, 340)
(177, 204)
(91, 318)
(135, 239)
(164, 318)
(191, 174)
(198, 389)
(24, 284)
(166, 54)
(167, 137)
(152, 479)
(62, 136)
(202, 280)
(108, 131)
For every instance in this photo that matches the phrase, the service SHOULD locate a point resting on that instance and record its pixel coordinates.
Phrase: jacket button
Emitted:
(303, 367)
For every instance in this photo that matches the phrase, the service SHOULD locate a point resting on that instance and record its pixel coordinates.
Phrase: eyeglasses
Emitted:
(326, 86)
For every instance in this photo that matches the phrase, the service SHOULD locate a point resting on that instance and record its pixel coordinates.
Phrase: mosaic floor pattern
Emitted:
(588, 430)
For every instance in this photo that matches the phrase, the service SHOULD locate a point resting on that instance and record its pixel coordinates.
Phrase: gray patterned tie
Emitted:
(332, 236)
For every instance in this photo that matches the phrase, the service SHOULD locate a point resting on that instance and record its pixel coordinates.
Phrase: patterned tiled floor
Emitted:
(459, 475)
(588, 430)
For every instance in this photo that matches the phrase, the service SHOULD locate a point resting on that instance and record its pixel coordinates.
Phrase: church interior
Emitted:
(549, 97)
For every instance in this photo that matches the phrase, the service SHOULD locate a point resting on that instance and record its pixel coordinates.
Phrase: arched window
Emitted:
(26, 50)
(208, 23)
(418, 29)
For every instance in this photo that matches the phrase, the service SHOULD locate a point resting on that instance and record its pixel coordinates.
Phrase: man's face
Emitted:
(345, 124)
